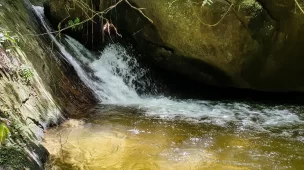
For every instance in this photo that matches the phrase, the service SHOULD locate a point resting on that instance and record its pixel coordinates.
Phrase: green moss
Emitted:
(14, 158)
(252, 4)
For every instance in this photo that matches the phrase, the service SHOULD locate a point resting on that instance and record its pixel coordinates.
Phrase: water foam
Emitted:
(115, 77)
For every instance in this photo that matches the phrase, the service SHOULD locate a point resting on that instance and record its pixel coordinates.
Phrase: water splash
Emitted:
(115, 77)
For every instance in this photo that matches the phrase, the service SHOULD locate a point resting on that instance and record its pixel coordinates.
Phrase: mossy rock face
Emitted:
(256, 45)
(62, 11)
(15, 158)
(55, 88)
(58, 76)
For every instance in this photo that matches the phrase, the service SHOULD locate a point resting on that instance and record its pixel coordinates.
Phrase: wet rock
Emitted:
(53, 92)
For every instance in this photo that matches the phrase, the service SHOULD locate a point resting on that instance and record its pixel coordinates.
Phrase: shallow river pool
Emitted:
(123, 138)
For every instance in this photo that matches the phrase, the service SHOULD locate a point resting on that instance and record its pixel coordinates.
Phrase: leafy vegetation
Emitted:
(26, 73)
(4, 131)
(14, 158)
(75, 24)
(7, 40)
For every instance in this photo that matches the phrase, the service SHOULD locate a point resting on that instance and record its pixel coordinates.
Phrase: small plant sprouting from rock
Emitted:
(7, 40)
(4, 132)
(26, 73)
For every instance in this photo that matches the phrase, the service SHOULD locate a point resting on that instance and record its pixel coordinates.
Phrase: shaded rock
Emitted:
(252, 44)
(60, 12)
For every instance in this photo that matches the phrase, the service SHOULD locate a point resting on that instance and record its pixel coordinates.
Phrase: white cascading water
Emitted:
(113, 74)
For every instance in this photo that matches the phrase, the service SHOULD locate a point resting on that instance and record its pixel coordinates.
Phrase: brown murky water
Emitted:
(125, 140)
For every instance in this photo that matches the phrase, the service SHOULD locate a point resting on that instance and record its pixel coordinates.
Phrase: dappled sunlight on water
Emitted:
(135, 142)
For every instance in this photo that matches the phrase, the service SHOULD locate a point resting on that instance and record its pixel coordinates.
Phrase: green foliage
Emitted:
(59, 26)
(4, 131)
(26, 73)
(7, 40)
(75, 24)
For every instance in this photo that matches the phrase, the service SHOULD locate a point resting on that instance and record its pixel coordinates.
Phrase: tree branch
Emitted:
(297, 3)
(220, 20)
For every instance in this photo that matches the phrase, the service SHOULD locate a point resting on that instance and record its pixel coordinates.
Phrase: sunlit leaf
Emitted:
(4, 131)
(77, 20)
(59, 26)
(70, 23)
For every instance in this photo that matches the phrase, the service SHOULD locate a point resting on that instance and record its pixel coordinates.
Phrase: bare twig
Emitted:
(297, 3)
(100, 14)
(139, 10)
(220, 20)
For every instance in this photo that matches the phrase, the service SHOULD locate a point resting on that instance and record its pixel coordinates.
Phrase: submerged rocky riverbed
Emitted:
(131, 107)
(113, 137)
(136, 127)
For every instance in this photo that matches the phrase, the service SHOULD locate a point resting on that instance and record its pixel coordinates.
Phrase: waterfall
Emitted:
(115, 76)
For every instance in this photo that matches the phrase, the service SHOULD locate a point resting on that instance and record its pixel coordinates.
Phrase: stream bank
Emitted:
(38, 87)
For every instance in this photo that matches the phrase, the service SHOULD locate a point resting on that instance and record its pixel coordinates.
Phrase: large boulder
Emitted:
(255, 44)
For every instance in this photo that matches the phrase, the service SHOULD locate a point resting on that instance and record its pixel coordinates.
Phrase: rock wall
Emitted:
(252, 44)
(28, 104)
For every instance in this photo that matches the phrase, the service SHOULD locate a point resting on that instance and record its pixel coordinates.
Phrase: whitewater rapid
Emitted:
(115, 77)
